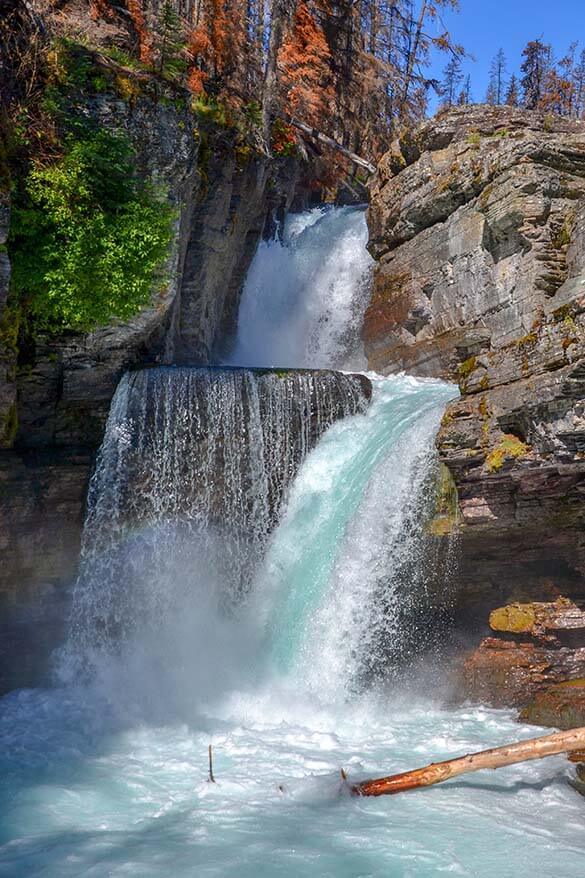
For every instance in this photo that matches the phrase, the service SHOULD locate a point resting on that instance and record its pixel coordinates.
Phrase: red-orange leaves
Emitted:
(100, 9)
(304, 65)
(138, 16)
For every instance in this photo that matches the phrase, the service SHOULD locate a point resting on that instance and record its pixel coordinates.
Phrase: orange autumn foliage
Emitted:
(216, 47)
(558, 94)
(198, 49)
(304, 66)
(138, 16)
(100, 9)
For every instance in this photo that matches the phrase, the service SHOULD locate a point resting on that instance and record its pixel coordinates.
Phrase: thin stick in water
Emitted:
(211, 778)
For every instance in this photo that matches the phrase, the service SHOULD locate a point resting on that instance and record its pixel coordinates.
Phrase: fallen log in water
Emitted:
(437, 772)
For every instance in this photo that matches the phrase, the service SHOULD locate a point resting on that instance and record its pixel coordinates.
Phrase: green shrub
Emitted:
(87, 237)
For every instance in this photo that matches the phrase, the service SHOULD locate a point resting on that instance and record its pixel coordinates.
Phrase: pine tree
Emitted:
(452, 79)
(304, 63)
(138, 18)
(512, 92)
(537, 56)
(169, 40)
(497, 81)
(557, 94)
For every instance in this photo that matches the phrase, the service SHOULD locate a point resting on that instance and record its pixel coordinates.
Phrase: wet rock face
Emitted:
(561, 706)
(478, 225)
(231, 212)
(507, 674)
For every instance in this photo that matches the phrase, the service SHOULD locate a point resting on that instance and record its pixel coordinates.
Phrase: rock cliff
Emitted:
(477, 221)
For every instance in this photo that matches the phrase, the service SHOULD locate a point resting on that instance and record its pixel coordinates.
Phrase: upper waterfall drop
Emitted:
(306, 293)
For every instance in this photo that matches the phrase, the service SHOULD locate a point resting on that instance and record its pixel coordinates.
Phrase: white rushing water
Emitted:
(106, 776)
(305, 295)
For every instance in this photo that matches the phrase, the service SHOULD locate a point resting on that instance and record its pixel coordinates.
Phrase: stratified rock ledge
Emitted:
(477, 221)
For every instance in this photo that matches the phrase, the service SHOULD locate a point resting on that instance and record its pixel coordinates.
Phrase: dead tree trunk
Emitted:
(437, 772)
(333, 144)
(281, 14)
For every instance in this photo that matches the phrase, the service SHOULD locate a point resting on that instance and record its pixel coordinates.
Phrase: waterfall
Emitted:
(306, 293)
(206, 503)
(348, 565)
(194, 468)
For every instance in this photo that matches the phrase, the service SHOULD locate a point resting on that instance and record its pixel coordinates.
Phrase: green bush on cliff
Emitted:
(87, 236)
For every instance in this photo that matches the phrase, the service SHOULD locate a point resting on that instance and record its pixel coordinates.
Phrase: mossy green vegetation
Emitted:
(9, 427)
(446, 518)
(509, 447)
(87, 235)
(467, 367)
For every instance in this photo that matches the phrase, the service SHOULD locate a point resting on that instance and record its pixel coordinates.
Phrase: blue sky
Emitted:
(484, 26)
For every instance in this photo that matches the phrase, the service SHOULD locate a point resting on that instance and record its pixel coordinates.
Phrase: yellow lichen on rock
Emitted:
(509, 447)
(515, 618)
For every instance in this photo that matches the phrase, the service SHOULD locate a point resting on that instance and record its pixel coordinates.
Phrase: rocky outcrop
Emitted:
(561, 706)
(503, 673)
(233, 206)
(539, 646)
(478, 225)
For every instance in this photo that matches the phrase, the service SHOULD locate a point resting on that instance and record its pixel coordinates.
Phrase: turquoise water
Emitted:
(110, 779)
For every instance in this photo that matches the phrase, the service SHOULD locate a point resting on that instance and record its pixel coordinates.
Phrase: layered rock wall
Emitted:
(478, 225)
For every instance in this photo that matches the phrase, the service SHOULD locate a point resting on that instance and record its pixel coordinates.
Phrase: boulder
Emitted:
(556, 622)
(561, 706)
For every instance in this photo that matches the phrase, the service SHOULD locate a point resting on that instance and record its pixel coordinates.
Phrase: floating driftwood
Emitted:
(497, 757)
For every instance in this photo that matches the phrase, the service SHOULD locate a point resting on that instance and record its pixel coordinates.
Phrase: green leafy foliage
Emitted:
(87, 237)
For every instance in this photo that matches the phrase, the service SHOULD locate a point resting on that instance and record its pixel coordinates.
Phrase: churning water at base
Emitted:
(242, 587)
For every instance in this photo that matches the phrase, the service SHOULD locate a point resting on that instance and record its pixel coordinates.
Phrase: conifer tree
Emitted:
(304, 63)
(512, 92)
(497, 81)
(537, 56)
(169, 40)
(465, 93)
(579, 84)
(452, 79)
(557, 94)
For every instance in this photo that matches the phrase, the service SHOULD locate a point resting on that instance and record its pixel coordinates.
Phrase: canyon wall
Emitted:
(477, 221)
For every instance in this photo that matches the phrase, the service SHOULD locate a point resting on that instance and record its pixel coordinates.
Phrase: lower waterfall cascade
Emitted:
(255, 569)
